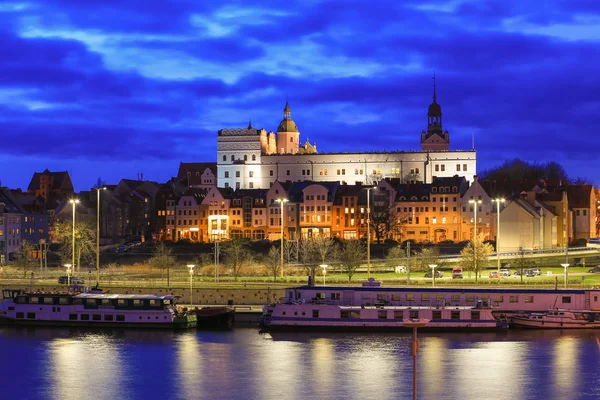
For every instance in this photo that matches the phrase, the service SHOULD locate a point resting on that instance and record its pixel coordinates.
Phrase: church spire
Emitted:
(434, 97)
(287, 112)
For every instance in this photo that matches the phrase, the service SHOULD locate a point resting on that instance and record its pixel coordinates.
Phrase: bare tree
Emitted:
(163, 259)
(475, 255)
(236, 255)
(352, 253)
(309, 255)
(273, 262)
(25, 256)
(290, 251)
(325, 247)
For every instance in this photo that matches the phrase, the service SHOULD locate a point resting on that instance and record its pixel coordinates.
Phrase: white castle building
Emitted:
(252, 158)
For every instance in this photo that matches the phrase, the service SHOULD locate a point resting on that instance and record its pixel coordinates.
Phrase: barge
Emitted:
(80, 308)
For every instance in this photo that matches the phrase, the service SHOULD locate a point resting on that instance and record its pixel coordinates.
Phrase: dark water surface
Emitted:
(244, 364)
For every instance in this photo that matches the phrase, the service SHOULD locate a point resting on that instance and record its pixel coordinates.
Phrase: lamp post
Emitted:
(476, 204)
(498, 201)
(433, 267)
(369, 232)
(414, 324)
(281, 202)
(73, 202)
(68, 266)
(191, 267)
(324, 266)
(98, 234)
(566, 267)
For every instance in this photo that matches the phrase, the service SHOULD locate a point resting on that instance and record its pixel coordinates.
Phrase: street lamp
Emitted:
(324, 266)
(414, 324)
(281, 202)
(433, 267)
(498, 201)
(475, 206)
(73, 202)
(68, 266)
(369, 232)
(191, 267)
(566, 267)
(98, 234)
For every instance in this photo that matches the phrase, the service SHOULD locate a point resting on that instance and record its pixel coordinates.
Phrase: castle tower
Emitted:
(434, 139)
(288, 136)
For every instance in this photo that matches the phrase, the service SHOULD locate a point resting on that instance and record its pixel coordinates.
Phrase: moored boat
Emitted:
(300, 316)
(558, 319)
(214, 317)
(80, 308)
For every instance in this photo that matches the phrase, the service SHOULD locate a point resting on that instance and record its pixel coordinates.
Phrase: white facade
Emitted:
(251, 158)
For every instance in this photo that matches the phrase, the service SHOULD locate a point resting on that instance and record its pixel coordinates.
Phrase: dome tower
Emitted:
(288, 137)
(434, 139)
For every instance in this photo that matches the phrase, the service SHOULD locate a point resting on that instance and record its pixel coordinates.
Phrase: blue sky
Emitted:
(112, 88)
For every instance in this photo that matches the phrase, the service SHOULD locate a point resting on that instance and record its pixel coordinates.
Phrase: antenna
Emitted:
(473, 140)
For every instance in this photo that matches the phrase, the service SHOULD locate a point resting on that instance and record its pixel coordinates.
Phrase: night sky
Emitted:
(113, 88)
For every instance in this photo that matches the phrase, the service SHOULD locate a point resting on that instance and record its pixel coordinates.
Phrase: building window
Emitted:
(226, 174)
(443, 167)
(270, 172)
(226, 185)
(458, 167)
(224, 158)
(437, 167)
(251, 185)
(291, 140)
(253, 157)
(237, 185)
(464, 167)
(251, 174)
(287, 172)
(232, 158)
(237, 174)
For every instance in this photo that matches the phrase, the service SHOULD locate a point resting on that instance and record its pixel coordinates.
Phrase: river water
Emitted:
(245, 364)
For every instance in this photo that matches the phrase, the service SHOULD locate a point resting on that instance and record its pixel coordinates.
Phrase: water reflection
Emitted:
(80, 365)
(241, 364)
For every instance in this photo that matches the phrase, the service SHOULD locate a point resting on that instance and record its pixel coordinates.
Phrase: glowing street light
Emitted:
(281, 202)
(191, 267)
(73, 202)
(97, 234)
(498, 201)
(68, 267)
(433, 267)
(324, 266)
(566, 267)
(369, 232)
(475, 236)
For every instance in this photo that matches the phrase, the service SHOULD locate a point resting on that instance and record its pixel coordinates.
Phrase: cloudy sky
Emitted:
(113, 88)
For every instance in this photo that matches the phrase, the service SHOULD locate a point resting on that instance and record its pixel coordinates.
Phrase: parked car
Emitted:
(504, 272)
(457, 273)
(438, 274)
(494, 274)
(594, 270)
(63, 280)
(536, 271)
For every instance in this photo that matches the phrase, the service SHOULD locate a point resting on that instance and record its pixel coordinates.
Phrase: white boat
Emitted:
(300, 316)
(558, 319)
(92, 309)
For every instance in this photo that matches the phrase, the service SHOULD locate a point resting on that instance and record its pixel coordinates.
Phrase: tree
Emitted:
(475, 255)
(85, 242)
(308, 255)
(273, 262)
(325, 248)
(426, 257)
(352, 252)
(236, 255)
(290, 251)
(25, 255)
(163, 259)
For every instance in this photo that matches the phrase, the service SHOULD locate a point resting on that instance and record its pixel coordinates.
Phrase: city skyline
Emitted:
(114, 89)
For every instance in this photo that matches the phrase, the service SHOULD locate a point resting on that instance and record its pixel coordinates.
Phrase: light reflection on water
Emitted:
(243, 364)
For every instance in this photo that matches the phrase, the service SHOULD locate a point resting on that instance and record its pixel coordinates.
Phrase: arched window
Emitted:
(232, 157)
(224, 158)
(291, 140)
(253, 157)
(245, 157)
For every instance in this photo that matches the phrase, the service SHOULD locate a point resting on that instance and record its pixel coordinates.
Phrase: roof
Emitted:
(10, 205)
(198, 194)
(579, 196)
(287, 125)
(296, 191)
(60, 178)
(193, 167)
